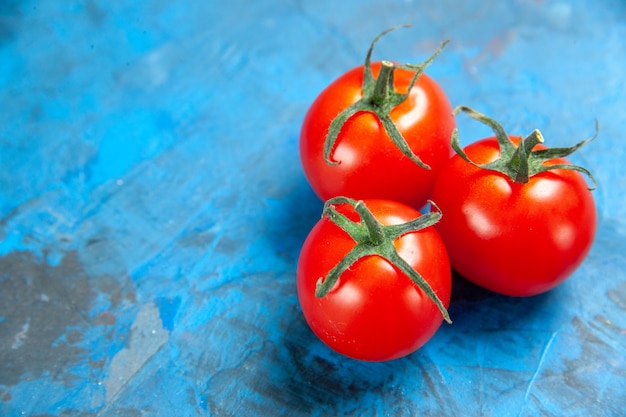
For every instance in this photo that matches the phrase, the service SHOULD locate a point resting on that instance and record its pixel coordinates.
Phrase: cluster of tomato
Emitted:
(378, 145)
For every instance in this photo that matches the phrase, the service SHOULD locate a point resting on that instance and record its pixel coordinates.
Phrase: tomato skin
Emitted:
(371, 165)
(374, 312)
(511, 238)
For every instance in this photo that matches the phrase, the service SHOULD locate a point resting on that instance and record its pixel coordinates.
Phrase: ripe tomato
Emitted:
(363, 160)
(514, 238)
(374, 311)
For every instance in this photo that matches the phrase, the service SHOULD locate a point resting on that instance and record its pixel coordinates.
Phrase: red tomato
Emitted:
(517, 239)
(374, 312)
(370, 164)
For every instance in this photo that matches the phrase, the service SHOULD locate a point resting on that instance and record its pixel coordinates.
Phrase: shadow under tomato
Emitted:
(475, 308)
(327, 383)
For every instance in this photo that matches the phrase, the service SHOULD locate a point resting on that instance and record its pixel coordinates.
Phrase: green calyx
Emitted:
(521, 162)
(375, 239)
(379, 98)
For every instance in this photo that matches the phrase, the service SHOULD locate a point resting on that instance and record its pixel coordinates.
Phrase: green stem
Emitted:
(373, 226)
(520, 162)
(383, 84)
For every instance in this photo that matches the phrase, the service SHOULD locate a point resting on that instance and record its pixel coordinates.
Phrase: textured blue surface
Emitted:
(152, 207)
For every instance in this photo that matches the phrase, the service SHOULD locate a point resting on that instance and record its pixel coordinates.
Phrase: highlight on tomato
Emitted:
(381, 130)
(373, 278)
(517, 217)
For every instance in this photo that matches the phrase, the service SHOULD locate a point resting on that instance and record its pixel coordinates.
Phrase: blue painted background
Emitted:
(152, 208)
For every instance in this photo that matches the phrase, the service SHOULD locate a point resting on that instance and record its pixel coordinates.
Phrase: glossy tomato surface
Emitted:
(374, 312)
(511, 238)
(371, 165)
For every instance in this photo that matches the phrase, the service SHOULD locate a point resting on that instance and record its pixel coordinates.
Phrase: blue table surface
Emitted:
(153, 205)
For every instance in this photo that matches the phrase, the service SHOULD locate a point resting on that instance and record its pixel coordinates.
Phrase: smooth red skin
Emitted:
(371, 164)
(511, 238)
(374, 312)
